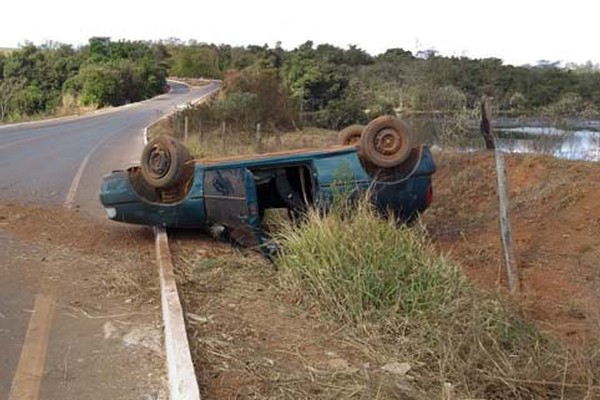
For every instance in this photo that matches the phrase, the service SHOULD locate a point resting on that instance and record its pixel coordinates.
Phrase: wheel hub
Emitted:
(354, 139)
(159, 161)
(388, 142)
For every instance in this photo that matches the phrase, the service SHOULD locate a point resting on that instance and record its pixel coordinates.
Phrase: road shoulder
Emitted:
(105, 340)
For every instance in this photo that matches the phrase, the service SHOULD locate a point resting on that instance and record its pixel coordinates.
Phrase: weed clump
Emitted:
(387, 284)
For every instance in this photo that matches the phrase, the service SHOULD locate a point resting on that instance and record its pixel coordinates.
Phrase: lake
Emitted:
(572, 145)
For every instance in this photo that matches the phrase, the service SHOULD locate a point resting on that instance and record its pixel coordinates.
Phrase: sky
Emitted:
(517, 31)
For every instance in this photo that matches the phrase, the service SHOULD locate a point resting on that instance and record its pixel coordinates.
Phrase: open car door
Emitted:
(231, 202)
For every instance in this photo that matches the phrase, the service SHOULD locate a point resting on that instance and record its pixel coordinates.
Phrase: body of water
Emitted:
(572, 145)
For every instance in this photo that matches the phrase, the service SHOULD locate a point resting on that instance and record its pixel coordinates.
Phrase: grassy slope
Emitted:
(265, 333)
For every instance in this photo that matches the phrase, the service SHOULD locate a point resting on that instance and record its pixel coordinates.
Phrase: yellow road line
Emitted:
(28, 376)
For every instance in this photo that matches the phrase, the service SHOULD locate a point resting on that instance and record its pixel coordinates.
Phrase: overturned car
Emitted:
(229, 196)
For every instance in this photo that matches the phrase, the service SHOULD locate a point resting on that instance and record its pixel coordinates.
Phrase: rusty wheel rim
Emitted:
(388, 142)
(159, 161)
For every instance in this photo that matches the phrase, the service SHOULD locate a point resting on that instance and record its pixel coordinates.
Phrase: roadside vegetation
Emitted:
(414, 305)
(358, 307)
(56, 79)
(323, 85)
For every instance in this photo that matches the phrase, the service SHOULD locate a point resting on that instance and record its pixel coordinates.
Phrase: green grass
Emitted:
(360, 267)
(410, 304)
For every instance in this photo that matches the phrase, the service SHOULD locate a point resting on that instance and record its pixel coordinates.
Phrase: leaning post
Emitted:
(505, 229)
(486, 126)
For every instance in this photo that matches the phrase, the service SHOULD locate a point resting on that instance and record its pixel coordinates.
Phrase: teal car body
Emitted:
(232, 194)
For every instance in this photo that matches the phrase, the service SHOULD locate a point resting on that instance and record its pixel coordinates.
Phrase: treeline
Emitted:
(333, 87)
(55, 77)
(323, 85)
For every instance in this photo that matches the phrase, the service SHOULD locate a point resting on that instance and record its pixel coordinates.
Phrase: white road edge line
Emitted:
(183, 384)
(77, 179)
(69, 200)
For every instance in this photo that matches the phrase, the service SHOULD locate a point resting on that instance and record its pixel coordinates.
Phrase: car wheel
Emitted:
(350, 135)
(385, 142)
(163, 162)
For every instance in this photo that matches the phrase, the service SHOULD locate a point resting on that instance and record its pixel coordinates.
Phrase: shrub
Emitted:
(414, 305)
(255, 95)
(194, 61)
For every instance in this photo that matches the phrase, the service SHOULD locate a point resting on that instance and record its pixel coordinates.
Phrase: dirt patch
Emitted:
(556, 226)
(120, 256)
(106, 336)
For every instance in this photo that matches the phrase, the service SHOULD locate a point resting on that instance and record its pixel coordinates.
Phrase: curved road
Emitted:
(39, 161)
(61, 162)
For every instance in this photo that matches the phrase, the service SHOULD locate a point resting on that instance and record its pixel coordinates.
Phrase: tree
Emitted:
(8, 88)
(99, 48)
(195, 62)
(256, 95)
(312, 80)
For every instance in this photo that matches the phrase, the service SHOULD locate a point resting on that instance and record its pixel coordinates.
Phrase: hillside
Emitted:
(556, 226)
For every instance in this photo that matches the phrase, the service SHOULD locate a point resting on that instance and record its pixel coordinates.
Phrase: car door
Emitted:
(231, 201)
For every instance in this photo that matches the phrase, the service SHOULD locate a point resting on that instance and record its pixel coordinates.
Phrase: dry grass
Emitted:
(216, 144)
(222, 141)
(353, 298)
(251, 341)
(406, 302)
(128, 279)
(374, 295)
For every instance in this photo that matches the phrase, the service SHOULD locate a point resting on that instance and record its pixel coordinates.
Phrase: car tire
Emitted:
(163, 162)
(385, 142)
(350, 135)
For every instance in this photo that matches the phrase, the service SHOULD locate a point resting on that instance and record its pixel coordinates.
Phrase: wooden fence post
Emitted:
(486, 126)
(258, 139)
(223, 141)
(505, 229)
(185, 128)
(200, 131)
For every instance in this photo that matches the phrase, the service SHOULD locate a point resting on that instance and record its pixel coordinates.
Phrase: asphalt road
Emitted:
(39, 161)
(61, 163)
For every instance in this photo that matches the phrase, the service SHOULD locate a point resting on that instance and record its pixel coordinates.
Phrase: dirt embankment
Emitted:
(555, 216)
